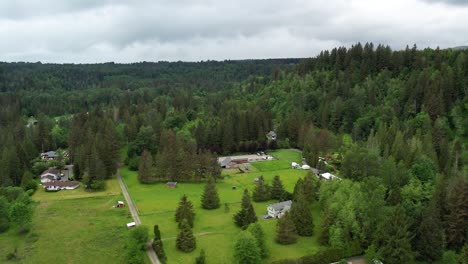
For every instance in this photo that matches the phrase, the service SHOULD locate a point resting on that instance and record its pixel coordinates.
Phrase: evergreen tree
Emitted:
(246, 215)
(430, 235)
(262, 191)
(310, 187)
(145, 167)
(457, 218)
(210, 197)
(158, 245)
(285, 230)
(301, 215)
(185, 241)
(201, 259)
(393, 238)
(277, 188)
(257, 232)
(159, 250)
(157, 233)
(185, 211)
(246, 250)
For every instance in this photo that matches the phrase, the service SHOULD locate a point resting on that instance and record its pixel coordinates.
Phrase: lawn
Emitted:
(156, 204)
(72, 226)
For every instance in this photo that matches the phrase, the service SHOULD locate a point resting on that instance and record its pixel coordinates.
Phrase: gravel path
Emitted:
(151, 254)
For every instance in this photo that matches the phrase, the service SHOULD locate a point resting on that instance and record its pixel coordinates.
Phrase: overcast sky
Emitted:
(87, 31)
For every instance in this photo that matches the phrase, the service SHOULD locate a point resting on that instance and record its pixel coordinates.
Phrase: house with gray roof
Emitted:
(277, 210)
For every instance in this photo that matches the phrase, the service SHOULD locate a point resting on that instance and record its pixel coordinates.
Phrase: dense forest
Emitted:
(392, 124)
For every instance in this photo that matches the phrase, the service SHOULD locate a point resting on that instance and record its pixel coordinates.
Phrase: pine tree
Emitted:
(301, 215)
(457, 218)
(285, 230)
(393, 238)
(262, 191)
(246, 250)
(257, 232)
(157, 233)
(185, 241)
(246, 215)
(201, 259)
(430, 235)
(310, 188)
(185, 211)
(145, 168)
(158, 245)
(210, 197)
(277, 188)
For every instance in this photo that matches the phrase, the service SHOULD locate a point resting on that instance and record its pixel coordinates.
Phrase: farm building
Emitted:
(131, 224)
(232, 162)
(278, 209)
(55, 186)
(305, 167)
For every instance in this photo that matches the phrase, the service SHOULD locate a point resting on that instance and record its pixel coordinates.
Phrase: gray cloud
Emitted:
(127, 31)
(450, 2)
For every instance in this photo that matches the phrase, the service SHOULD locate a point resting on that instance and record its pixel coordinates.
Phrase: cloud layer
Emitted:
(127, 31)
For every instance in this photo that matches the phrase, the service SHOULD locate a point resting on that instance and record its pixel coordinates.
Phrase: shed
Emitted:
(294, 165)
(171, 184)
(120, 204)
(131, 224)
(305, 167)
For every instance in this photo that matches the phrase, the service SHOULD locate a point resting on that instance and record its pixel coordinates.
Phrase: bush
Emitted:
(133, 163)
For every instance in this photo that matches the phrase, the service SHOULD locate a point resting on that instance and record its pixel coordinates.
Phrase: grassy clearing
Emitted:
(72, 226)
(156, 204)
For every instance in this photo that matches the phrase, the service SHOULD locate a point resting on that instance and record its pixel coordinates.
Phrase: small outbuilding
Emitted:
(131, 224)
(305, 167)
(171, 184)
(328, 176)
(120, 204)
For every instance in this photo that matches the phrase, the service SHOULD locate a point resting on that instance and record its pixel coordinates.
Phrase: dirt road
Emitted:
(151, 254)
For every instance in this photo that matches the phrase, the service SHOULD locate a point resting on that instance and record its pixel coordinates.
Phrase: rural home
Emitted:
(49, 155)
(278, 209)
(50, 175)
(271, 135)
(328, 176)
(56, 186)
(305, 167)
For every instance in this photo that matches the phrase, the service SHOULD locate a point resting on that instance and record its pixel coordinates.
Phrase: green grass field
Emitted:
(72, 226)
(156, 204)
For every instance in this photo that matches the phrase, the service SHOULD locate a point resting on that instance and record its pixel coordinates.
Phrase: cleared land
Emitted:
(73, 226)
(215, 228)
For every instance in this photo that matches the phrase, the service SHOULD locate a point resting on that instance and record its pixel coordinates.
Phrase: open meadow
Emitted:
(72, 226)
(215, 229)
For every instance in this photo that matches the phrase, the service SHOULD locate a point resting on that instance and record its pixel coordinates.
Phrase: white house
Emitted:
(305, 167)
(294, 165)
(57, 185)
(328, 176)
(278, 209)
(50, 175)
(131, 224)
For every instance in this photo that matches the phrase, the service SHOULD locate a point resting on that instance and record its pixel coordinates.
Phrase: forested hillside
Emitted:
(392, 124)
